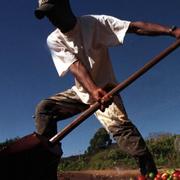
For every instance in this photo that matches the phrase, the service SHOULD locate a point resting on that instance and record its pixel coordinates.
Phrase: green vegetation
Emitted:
(164, 150)
(102, 154)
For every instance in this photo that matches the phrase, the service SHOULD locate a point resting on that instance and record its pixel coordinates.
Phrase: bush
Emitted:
(73, 163)
(163, 149)
(100, 161)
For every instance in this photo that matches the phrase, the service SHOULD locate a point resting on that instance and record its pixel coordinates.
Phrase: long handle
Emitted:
(59, 136)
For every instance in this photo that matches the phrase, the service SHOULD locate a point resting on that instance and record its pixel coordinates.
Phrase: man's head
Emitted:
(58, 12)
(45, 6)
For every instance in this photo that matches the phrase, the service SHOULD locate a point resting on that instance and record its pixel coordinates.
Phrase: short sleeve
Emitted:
(62, 58)
(112, 30)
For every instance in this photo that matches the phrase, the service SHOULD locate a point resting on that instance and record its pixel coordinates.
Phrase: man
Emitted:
(80, 45)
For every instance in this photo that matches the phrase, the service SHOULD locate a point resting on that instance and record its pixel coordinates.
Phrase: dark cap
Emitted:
(45, 6)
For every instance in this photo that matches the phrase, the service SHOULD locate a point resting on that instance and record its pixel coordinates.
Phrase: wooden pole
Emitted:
(59, 136)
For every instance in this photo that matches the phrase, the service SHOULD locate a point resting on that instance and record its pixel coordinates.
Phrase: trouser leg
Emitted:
(130, 140)
(55, 108)
(127, 136)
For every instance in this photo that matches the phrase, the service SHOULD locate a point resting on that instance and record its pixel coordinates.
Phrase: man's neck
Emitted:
(69, 26)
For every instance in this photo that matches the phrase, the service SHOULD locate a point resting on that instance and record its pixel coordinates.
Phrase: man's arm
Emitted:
(151, 29)
(85, 79)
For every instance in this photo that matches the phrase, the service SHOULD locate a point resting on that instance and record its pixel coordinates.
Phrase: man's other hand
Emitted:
(176, 33)
(101, 96)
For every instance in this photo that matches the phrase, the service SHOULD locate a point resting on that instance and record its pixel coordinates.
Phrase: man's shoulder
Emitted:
(92, 19)
(102, 18)
(95, 16)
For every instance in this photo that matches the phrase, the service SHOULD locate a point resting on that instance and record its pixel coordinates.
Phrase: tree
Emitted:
(100, 140)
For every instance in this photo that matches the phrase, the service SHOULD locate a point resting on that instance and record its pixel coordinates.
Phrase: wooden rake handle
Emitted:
(60, 135)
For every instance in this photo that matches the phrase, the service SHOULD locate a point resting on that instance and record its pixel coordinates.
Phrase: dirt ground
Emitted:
(116, 174)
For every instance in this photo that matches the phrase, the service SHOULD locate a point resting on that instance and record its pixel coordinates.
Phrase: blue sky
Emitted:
(27, 73)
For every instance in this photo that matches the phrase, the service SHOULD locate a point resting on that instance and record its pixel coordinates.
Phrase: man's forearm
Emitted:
(143, 28)
(83, 76)
(85, 79)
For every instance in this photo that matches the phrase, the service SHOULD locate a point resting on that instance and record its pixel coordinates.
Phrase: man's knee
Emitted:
(44, 118)
(43, 107)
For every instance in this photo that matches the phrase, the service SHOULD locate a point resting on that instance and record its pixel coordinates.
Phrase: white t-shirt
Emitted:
(88, 42)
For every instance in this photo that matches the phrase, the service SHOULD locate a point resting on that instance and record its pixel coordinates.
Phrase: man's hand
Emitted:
(102, 97)
(176, 33)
